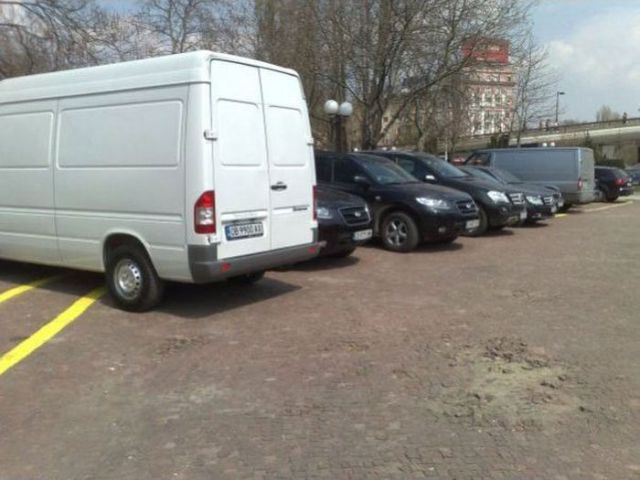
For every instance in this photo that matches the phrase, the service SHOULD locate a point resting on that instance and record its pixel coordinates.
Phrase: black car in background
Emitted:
(344, 222)
(406, 212)
(612, 183)
(542, 202)
(634, 173)
(498, 206)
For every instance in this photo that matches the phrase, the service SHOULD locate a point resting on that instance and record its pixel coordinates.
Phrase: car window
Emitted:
(344, 169)
(323, 169)
(479, 159)
(442, 168)
(407, 165)
(386, 172)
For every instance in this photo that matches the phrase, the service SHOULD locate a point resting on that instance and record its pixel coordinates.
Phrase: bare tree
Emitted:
(44, 35)
(535, 88)
(606, 114)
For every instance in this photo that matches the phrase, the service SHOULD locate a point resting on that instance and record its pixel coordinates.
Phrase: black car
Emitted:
(405, 210)
(612, 183)
(634, 173)
(344, 222)
(542, 202)
(498, 206)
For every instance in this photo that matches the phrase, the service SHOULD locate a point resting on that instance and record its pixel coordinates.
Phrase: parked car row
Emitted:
(414, 198)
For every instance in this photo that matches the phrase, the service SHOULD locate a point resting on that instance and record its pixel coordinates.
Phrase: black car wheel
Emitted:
(132, 280)
(399, 232)
(248, 278)
(484, 224)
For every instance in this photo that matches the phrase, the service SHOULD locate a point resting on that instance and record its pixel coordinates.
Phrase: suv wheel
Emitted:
(131, 279)
(484, 224)
(399, 232)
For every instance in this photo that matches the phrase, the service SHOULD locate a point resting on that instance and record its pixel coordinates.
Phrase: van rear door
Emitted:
(263, 160)
(241, 170)
(290, 152)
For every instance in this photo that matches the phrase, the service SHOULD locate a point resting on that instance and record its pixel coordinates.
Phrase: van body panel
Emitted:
(127, 149)
(106, 180)
(291, 161)
(562, 167)
(27, 218)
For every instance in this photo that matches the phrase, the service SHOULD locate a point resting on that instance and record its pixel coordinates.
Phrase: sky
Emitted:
(594, 46)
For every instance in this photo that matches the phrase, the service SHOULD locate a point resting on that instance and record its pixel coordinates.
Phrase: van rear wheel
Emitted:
(132, 280)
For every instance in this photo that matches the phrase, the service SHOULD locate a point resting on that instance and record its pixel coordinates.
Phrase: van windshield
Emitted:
(384, 172)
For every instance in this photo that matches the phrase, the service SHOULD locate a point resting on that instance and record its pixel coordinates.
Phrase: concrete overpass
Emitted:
(616, 139)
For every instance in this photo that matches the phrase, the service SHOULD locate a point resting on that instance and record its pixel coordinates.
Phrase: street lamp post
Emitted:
(338, 113)
(558, 106)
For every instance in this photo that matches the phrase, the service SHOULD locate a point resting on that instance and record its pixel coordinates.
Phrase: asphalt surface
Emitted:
(512, 356)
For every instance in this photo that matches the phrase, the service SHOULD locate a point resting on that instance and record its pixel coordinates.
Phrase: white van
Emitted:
(192, 168)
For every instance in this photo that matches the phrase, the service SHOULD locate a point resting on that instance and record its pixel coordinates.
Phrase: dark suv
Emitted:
(498, 206)
(405, 210)
(344, 222)
(542, 201)
(612, 183)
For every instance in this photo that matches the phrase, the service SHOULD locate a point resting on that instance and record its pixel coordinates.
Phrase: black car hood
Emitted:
(532, 188)
(471, 181)
(425, 189)
(330, 198)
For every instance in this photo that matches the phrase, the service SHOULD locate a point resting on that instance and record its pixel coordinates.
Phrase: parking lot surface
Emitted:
(512, 356)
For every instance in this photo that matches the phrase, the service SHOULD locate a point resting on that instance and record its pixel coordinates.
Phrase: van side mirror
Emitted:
(430, 178)
(362, 181)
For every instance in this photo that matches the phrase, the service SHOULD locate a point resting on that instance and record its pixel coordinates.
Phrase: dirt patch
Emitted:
(174, 345)
(506, 382)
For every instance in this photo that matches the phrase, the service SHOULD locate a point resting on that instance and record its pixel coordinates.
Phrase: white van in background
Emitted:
(193, 168)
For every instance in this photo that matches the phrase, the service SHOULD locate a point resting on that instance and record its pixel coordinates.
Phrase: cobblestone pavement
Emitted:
(514, 356)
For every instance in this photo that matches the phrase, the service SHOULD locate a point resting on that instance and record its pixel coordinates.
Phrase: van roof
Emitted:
(527, 149)
(183, 68)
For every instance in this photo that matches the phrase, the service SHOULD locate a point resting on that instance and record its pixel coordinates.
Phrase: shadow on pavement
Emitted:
(198, 301)
(323, 263)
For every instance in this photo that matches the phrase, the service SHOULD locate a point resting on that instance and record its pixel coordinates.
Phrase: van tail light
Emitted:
(621, 181)
(204, 213)
(580, 183)
(315, 202)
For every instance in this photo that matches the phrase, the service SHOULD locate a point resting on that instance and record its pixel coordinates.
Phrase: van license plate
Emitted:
(471, 224)
(362, 235)
(244, 230)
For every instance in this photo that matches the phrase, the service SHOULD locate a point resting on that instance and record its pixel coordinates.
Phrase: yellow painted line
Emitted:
(560, 215)
(14, 292)
(50, 330)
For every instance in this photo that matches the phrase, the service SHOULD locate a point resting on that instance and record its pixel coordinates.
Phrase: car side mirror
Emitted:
(430, 178)
(362, 181)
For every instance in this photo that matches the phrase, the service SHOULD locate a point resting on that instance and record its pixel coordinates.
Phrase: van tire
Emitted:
(132, 280)
(247, 278)
(399, 232)
(484, 224)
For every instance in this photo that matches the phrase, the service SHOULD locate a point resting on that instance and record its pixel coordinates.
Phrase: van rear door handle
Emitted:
(279, 186)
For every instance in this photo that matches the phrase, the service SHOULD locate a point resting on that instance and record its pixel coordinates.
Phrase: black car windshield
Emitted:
(442, 168)
(385, 172)
(504, 176)
(484, 175)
